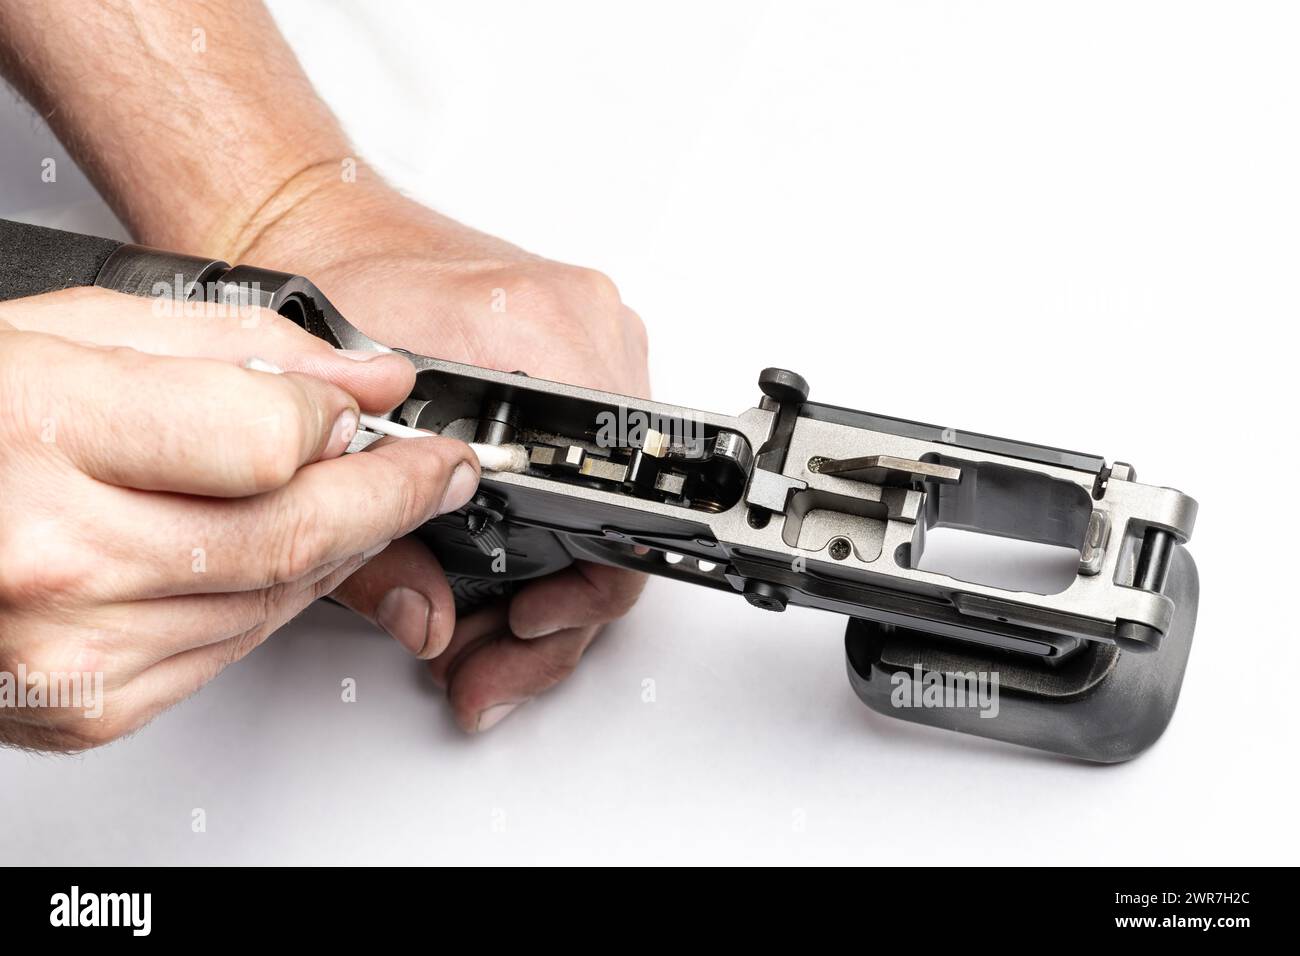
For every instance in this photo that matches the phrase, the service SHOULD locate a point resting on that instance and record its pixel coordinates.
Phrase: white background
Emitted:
(1072, 224)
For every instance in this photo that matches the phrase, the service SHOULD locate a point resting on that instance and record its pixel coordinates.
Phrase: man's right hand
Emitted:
(163, 510)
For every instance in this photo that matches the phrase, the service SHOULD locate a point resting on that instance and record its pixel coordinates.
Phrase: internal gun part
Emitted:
(885, 470)
(703, 476)
(784, 394)
(497, 425)
(484, 523)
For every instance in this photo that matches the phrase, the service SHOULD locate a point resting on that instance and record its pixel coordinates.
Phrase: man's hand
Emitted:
(163, 510)
(222, 147)
(412, 278)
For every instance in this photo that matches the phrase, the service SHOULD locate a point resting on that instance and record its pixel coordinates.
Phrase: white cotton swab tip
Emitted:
(508, 458)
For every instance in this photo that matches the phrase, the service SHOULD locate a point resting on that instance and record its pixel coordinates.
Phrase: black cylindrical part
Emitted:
(1153, 560)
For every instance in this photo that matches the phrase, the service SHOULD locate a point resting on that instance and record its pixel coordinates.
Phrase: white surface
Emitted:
(1072, 226)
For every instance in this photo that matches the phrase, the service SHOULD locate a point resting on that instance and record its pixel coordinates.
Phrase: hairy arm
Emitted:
(192, 118)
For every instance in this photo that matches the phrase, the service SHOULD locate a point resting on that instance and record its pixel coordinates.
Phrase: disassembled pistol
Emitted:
(790, 502)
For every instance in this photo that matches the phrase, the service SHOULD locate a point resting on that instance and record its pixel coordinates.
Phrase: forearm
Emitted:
(193, 119)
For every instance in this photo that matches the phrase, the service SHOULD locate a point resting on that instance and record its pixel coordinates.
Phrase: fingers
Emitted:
(579, 596)
(345, 506)
(194, 426)
(489, 673)
(378, 380)
(405, 592)
(176, 678)
(500, 658)
(472, 630)
(328, 511)
(140, 634)
(133, 696)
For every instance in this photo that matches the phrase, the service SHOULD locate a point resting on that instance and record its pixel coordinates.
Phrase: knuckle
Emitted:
(422, 495)
(272, 464)
(555, 289)
(277, 329)
(79, 653)
(237, 648)
(267, 601)
(275, 455)
(410, 495)
(637, 330)
(40, 567)
(541, 296)
(44, 660)
(90, 653)
(207, 666)
(296, 411)
(594, 285)
(409, 492)
(278, 335)
(298, 545)
(334, 580)
(617, 590)
(619, 603)
(553, 665)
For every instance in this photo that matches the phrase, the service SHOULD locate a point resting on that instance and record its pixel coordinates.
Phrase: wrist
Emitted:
(222, 207)
(321, 215)
(323, 222)
(291, 214)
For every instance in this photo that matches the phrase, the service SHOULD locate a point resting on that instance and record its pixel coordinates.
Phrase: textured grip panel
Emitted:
(34, 259)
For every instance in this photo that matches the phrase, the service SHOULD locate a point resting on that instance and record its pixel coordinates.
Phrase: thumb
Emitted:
(404, 591)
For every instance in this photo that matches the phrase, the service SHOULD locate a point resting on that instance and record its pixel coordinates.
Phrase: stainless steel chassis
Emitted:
(826, 507)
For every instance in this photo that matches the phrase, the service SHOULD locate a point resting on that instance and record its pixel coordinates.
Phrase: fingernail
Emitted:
(404, 613)
(367, 555)
(256, 364)
(345, 429)
(358, 355)
(533, 634)
(489, 717)
(464, 481)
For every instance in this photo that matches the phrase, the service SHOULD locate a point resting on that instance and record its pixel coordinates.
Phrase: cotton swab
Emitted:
(511, 458)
